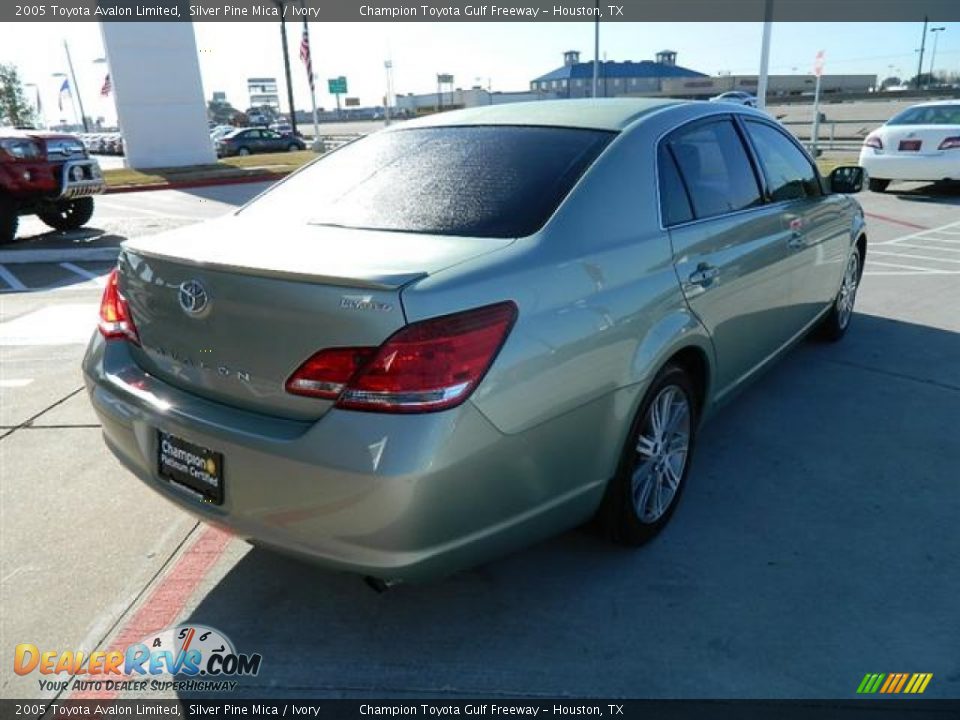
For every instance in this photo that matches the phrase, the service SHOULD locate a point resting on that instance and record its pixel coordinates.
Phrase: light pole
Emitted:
(933, 53)
(388, 67)
(286, 67)
(596, 48)
(923, 45)
(765, 55)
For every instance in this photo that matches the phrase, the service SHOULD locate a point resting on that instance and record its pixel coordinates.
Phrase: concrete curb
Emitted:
(58, 255)
(187, 184)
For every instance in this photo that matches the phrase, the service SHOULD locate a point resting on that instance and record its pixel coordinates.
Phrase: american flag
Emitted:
(107, 86)
(305, 55)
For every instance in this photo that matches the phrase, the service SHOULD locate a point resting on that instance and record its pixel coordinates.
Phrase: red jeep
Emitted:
(46, 174)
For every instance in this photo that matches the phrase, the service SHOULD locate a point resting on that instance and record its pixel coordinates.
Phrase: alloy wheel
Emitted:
(848, 290)
(662, 449)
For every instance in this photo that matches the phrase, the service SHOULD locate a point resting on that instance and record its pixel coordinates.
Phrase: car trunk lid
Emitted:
(917, 139)
(273, 296)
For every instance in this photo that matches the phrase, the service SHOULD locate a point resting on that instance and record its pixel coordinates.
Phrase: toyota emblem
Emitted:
(193, 297)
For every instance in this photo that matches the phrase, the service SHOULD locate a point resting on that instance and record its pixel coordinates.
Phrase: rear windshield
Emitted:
(479, 181)
(928, 115)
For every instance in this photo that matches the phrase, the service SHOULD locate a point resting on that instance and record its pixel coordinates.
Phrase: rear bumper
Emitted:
(919, 168)
(404, 497)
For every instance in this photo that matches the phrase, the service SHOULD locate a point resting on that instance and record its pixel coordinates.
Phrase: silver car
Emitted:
(473, 330)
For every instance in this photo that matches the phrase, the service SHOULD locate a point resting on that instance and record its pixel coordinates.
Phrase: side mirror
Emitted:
(847, 179)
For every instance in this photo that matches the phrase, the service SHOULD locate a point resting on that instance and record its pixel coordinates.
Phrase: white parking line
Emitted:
(15, 382)
(953, 240)
(98, 280)
(950, 229)
(929, 247)
(916, 257)
(12, 281)
(145, 211)
(909, 269)
(52, 325)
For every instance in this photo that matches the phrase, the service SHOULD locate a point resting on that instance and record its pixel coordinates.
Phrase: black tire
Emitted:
(243, 151)
(619, 515)
(837, 321)
(293, 148)
(8, 221)
(877, 185)
(68, 214)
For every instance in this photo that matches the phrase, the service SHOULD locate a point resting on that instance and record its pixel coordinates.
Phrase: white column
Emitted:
(158, 93)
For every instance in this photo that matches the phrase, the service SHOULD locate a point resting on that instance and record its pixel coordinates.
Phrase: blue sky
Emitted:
(507, 55)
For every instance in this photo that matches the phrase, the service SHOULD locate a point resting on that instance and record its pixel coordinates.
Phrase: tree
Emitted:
(14, 109)
(222, 112)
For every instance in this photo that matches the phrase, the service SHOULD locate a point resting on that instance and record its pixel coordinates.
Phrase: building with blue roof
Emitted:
(575, 79)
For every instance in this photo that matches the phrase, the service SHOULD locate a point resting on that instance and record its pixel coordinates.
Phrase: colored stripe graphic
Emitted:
(891, 680)
(894, 683)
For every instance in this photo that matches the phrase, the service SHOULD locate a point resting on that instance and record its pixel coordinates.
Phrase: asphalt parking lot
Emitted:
(817, 540)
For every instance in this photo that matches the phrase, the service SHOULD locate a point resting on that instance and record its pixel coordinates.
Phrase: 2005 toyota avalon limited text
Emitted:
(471, 331)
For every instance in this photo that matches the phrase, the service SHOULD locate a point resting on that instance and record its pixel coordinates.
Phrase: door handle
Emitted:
(704, 274)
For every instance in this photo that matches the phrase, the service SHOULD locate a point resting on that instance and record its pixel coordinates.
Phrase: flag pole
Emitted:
(76, 88)
(311, 80)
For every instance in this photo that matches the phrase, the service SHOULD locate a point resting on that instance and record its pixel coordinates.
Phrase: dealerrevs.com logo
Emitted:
(201, 657)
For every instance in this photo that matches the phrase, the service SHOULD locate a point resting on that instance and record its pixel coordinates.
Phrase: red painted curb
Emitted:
(165, 603)
(187, 184)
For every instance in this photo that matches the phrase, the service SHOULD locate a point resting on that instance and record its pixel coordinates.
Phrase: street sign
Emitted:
(351, 102)
(337, 85)
(445, 79)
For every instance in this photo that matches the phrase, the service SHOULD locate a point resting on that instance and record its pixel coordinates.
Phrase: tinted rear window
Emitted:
(483, 181)
(928, 115)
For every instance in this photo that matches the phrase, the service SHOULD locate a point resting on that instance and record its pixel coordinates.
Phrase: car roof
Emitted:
(937, 102)
(595, 114)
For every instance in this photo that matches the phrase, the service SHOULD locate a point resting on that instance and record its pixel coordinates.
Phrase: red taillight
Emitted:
(873, 141)
(430, 365)
(951, 143)
(327, 373)
(115, 318)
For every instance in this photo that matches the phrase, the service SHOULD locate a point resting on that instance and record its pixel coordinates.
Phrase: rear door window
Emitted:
(715, 168)
(788, 172)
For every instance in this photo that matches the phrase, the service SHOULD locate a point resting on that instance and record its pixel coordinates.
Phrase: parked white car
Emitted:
(737, 97)
(922, 143)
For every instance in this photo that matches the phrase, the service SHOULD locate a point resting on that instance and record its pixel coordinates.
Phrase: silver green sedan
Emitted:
(471, 331)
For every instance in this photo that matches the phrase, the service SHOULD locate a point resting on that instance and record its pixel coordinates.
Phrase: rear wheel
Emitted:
(69, 214)
(877, 184)
(293, 148)
(837, 321)
(8, 221)
(655, 461)
(243, 151)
